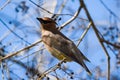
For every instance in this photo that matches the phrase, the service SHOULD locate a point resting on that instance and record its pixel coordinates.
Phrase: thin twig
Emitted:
(40, 7)
(60, 9)
(84, 33)
(67, 22)
(51, 69)
(55, 13)
(99, 38)
(71, 19)
(14, 32)
(4, 5)
(109, 10)
(28, 55)
(107, 42)
(13, 54)
(5, 35)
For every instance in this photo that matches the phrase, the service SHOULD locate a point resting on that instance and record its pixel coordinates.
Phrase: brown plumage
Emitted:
(59, 45)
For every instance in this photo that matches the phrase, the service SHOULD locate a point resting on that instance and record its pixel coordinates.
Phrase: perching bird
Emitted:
(59, 45)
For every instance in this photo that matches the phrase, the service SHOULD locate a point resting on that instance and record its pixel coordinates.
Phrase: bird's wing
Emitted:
(66, 46)
(77, 51)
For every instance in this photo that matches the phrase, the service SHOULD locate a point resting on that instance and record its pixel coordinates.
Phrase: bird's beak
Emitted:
(40, 19)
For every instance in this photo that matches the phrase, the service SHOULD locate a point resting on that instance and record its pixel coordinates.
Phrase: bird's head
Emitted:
(47, 23)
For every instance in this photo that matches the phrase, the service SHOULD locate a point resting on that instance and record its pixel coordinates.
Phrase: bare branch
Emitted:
(84, 33)
(99, 38)
(4, 5)
(51, 69)
(107, 42)
(13, 32)
(60, 11)
(73, 18)
(13, 54)
(111, 12)
(41, 7)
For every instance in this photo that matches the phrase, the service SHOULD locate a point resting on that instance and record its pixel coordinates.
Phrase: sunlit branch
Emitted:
(107, 42)
(18, 62)
(71, 19)
(57, 13)
(99, 38)
(51, 69)
(14, 54)
(110, 10)
(28, 55)
(13, 32)
(84, 33)
(4, 5)
(60, 10)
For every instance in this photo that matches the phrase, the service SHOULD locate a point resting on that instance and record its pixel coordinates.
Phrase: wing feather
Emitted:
(64, 46)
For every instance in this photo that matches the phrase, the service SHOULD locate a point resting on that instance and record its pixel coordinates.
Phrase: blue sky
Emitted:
(97, 11)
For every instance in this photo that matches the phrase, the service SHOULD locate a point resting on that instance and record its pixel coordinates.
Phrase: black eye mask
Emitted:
(45, 22)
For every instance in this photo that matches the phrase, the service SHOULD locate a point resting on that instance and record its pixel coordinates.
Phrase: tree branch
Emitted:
(99, 38)
(111, 12)
(51, 69)
(84, 33)
(4, 5)
(71, 19)
(107, 42)
(13, 32)
(13, 54)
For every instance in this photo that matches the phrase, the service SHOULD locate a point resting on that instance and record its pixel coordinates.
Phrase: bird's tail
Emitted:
(81, 62)
(85, 67)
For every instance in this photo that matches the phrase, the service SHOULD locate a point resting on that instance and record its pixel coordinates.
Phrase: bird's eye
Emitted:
(45, 22)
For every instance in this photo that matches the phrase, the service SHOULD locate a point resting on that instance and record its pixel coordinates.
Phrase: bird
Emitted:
(59, 45)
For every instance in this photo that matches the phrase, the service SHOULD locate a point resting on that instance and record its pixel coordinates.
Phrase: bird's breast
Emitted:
(52, 42)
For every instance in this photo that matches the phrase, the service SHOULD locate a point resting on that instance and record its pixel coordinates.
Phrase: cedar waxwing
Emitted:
(59, 45)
